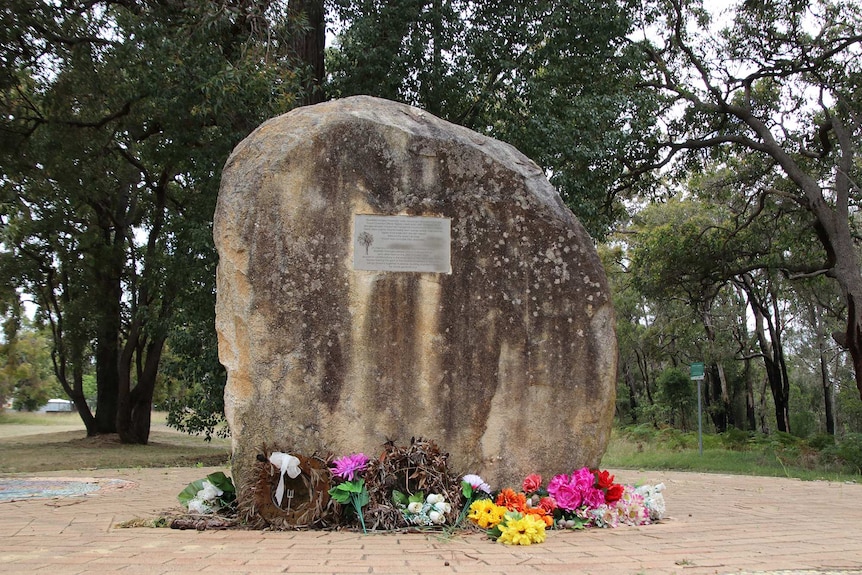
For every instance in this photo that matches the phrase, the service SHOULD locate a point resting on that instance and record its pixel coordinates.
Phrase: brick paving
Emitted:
(717, 524)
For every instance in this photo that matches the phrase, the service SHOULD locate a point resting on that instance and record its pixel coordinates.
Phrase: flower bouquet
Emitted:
(352, 487)
(215, 493)
(585, 498)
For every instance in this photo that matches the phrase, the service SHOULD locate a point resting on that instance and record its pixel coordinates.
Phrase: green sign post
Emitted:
(697, 375)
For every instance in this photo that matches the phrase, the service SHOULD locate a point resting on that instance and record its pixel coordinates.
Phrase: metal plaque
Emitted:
(402, 243)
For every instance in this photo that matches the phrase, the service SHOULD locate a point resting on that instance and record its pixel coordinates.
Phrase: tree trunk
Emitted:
(108, 271)
(633, 398)
(772, 352)
(308, 43)
(825, 380)
(750, 411)
(719, 416)
(136, 404)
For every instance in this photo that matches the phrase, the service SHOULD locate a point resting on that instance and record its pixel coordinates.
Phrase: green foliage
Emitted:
(677, 392)
(555, 79)
(419, 497)
(26, 370)
(736, 439)
(849, 407)
(847, 451)
(344, 491)
(217, 479)
(352, 492)
(113, 142)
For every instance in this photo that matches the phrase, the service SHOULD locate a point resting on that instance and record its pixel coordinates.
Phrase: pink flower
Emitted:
(477, 483)
(565, 492)
(593, 497)
(584, 477)
(558, 480)
(532, 483)
(348, 466)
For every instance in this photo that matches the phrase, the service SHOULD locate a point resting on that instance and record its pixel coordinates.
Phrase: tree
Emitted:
(28, 370)
(781, 83)
(117, 118)
(308, 35)
(677, 392)
(708, 253)
(555, 78)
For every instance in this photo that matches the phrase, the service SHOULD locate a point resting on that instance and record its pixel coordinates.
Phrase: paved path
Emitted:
(718, 524)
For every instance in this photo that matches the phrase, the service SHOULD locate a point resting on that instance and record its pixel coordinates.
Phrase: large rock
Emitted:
(508, 362)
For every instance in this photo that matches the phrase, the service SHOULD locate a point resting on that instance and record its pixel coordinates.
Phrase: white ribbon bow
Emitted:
(288, 464)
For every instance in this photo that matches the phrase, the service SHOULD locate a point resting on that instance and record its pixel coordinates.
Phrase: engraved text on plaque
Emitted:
(402, 243)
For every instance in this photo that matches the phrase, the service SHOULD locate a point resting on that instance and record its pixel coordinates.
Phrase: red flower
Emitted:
(532, 483)
(614, 493)
(548, 504)
(604, 480)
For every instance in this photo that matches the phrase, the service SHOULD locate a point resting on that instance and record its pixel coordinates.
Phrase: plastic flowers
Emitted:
(473, 488)
(209, 495)
(518, 529)
(653, 500)
(476, 483)
(348, 466)
(421, 510)
(572, 491)
(590, 498)
(532, 483)
(486, 514)
(351, 490)
(584, 498)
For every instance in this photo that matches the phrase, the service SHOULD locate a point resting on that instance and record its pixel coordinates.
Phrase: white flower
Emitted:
(199, 506)
(414, 507)
(477, 483)
(653, 500)
(210, 492)
(434, 498)
(436, 517)
(442, 507)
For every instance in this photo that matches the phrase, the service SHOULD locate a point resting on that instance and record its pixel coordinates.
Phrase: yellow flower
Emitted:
(485, 513)
(524, 531)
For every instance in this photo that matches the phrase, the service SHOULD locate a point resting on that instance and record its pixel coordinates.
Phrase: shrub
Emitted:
(736, 439)
(821, 441)
(847, 452)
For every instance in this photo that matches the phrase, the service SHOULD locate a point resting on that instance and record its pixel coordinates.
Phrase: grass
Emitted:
(32, 443)
(635, 448)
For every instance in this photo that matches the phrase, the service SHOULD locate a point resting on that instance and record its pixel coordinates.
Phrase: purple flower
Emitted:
(348, 466)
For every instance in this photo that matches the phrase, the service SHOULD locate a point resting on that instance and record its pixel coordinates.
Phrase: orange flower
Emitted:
(511, 500)
(542, 514)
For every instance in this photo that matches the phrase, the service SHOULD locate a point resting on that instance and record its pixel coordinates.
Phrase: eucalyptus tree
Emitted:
(779, 82)
(117, 116)
(818, 308)
(683, 251)
(555, 78)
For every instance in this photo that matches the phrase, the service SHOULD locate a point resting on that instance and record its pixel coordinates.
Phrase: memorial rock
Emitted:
(384, 274)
